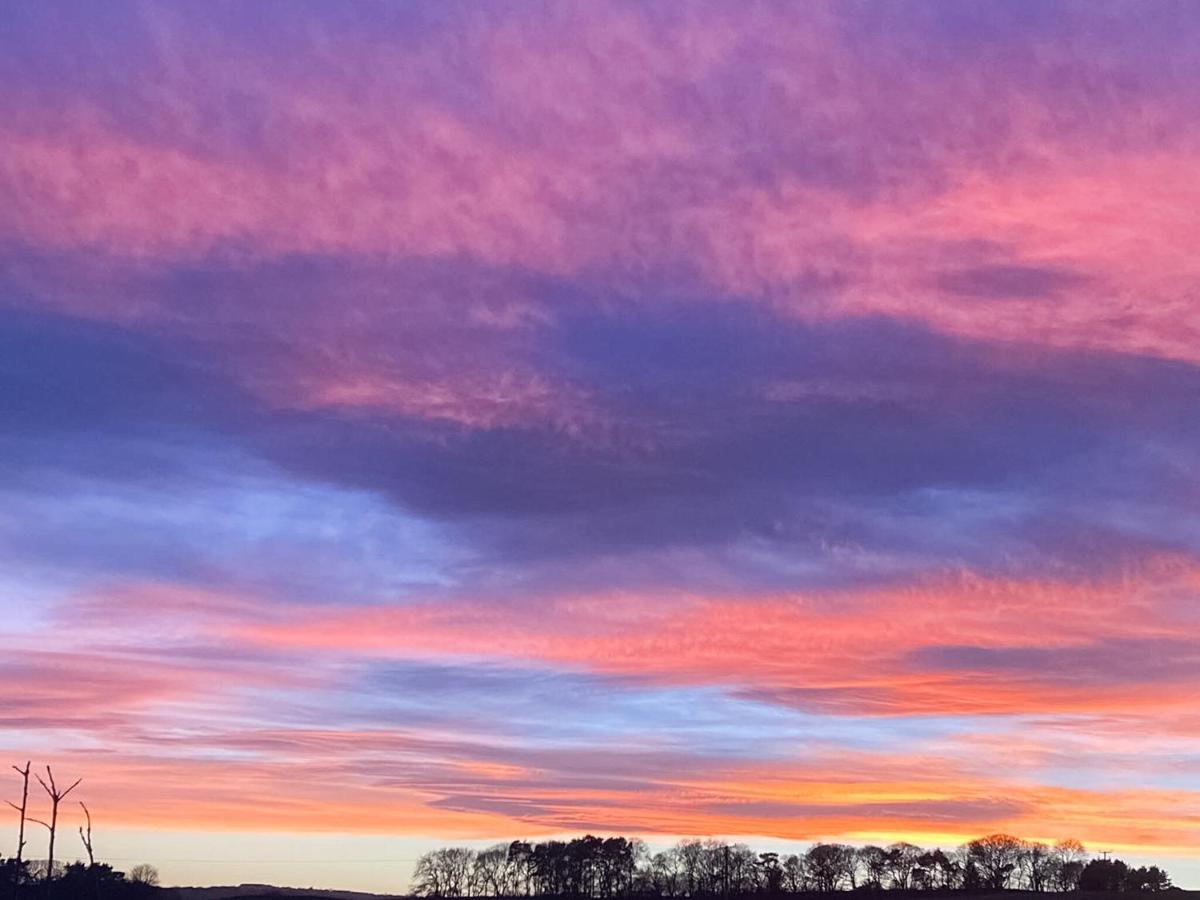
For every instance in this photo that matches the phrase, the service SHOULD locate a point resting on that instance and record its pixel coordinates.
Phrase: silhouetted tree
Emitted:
(618, 858)
(1114, 875)
(830, 866)
(77, 881)
(665, 874)
(56, 797)
(770, 872)
(520, 861)
(595, 868)
(144, 874)
(13, 873)
(1070, 858)
(1037, 864)
(996, 857)
(1103, 875)
(1071, 850)
(85, 835)
(873, 861)
(714, 867)
(691, 855)
(22, 811)
(639, 858)
(901, 860)
(971, 879)
(1066, 877)
(549, 863)
(1147, 879)
(938, 871)
(490, 872)
(794, 878)
(452, 868)
(740, 869)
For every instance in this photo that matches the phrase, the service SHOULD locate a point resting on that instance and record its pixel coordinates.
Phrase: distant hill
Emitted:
(270, 892)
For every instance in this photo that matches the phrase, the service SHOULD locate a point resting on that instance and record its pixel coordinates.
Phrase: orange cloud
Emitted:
(857, 653)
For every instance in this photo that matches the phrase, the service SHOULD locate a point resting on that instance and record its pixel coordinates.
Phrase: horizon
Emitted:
(432, 423)
(251, 851)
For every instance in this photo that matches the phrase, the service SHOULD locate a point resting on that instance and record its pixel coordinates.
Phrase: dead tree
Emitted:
(50, 862)
(56, 797)
(86, 836)
(22, 809)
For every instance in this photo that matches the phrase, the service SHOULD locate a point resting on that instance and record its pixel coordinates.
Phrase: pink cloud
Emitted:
(377, 167)
(869, 652)
(465, 188)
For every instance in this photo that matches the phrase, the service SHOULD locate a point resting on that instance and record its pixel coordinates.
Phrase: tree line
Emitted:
(595, 867)
(50, 879)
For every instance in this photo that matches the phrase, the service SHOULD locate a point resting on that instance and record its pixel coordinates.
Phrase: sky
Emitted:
(425, 423)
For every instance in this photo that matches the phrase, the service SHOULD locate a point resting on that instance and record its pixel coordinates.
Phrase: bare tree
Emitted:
(444, 872)
(1071, 850)
(665, 873)
(593, 868)
(520, 860)
(56, 797)
(22, 809)
(830, 866)
(996, 857)
(144, 873)
(1071, 856)
(1036, 865)
(86, 836)
(491, 872)
(33, 869)
(691, 857)
(901, 860)
(874, 861)
(794, 880)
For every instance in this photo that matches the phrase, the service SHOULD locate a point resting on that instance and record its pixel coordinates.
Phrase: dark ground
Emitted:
(267, 892)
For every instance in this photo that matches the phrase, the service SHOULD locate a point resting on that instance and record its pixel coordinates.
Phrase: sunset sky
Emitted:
(437, 422)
